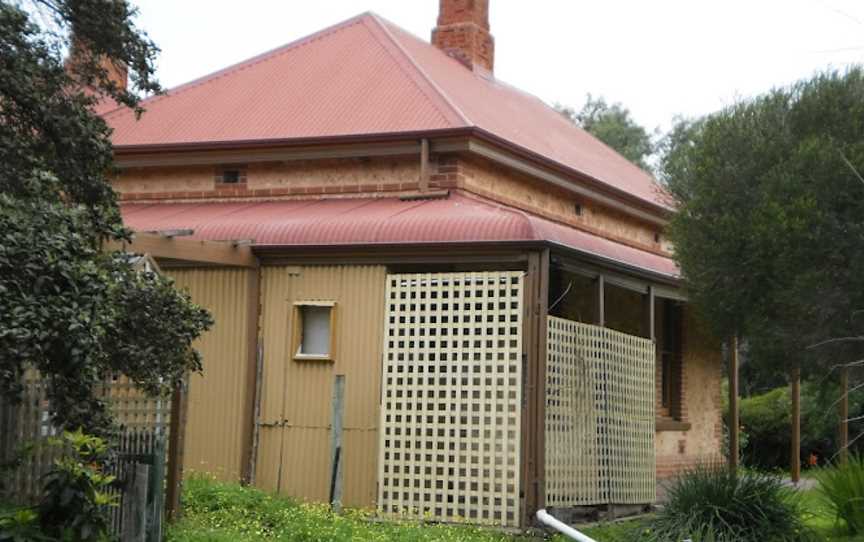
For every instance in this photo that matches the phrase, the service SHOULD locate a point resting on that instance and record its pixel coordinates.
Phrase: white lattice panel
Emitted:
(599, 416)
(450, 412)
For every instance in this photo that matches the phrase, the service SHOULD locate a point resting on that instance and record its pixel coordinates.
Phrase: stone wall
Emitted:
(346, 177)
(496, 182)
(678, 450)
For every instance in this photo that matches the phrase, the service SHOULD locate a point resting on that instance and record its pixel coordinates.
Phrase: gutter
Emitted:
(550, 521)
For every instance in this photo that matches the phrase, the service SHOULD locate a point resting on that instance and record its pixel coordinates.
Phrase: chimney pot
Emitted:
(463, 33)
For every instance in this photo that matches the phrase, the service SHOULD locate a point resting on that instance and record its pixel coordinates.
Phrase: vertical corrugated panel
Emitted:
(217, 420)
(294, 448)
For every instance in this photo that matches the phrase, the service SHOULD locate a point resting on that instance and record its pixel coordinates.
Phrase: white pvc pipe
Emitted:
(546, 519)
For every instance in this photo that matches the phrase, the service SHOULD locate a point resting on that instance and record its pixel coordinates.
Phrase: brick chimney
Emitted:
(115, 71)
(463, 33)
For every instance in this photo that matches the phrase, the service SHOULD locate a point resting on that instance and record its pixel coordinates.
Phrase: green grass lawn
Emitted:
(817, 518)
(221, 512)
(217, 512)
(820, 520)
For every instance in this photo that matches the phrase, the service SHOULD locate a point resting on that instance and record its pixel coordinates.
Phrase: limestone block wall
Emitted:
(346, 177)
(497, 182)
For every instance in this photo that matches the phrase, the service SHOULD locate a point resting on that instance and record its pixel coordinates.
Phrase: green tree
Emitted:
(613, 125)
(76, 313)
(770, 226)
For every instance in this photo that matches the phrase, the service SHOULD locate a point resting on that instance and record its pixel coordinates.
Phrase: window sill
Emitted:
(311, 357)
(666, 424)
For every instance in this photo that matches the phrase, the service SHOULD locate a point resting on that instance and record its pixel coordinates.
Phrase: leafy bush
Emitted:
(716, 505)
(766, 420)
(73, 505)
(842, 487)
(216, 511)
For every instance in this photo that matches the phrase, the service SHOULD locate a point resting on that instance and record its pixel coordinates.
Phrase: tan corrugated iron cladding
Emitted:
(217, 423)
(294, 447)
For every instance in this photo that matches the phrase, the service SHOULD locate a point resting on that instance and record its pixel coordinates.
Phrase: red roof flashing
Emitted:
(384, 221)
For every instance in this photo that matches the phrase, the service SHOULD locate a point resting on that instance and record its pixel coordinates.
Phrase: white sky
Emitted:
(658, 58)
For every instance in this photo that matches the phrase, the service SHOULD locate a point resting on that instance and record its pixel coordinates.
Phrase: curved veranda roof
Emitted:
(457, 218)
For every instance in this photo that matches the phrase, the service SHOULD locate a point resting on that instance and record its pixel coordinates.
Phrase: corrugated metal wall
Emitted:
(294, 443)
(217, 425)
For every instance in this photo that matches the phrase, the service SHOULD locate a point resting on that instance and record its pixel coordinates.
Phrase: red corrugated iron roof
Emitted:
(367, 76)
(371, 221)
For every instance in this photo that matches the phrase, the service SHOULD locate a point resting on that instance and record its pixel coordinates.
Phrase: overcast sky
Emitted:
(660, 58)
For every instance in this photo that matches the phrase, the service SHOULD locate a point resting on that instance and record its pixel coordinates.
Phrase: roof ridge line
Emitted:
(380, 21)
(246, 63)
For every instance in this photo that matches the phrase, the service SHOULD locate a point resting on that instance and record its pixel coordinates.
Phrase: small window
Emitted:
(313, 330)
(231, 175)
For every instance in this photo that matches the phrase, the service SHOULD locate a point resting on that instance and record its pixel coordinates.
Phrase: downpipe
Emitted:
(548, 520)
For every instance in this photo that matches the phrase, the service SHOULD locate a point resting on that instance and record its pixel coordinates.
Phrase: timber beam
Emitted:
(224, 253)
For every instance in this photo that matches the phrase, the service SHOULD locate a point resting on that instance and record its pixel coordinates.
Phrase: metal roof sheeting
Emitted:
(369, 221)
(367, 76)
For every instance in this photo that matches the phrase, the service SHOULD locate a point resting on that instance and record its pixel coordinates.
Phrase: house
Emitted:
(459, 304)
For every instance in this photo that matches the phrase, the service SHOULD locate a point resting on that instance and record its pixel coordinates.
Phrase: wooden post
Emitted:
(337, 411)
(135, 505)
(733, 405)
(253, 388)
(536, 310)
(795, 456)
(648, 321)
(175, 453)
(843, 441)
(256, 413)
(155, 525)
(601, 301)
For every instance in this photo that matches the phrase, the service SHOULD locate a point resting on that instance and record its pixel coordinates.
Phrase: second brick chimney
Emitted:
(463, 33)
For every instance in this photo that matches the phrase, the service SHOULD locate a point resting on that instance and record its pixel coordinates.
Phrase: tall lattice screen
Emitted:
(599, 416)
(450, 412)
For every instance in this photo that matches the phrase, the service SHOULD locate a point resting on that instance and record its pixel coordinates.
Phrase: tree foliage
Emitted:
(76, 313)
(770, 228)
(613, 125)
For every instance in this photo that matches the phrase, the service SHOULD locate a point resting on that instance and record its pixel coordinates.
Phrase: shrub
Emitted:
(842, 488)
(766, 420)
(73, 505)
(716, 505)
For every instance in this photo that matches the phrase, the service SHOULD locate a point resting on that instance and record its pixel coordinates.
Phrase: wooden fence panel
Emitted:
(27, 426)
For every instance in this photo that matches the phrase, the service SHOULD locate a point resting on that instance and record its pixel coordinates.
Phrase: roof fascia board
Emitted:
(496, 155)
(640, 284)
(455, 252)
(606, 264)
